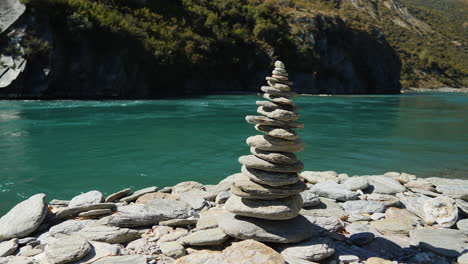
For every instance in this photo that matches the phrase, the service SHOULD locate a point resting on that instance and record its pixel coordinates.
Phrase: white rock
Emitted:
(8, 247)
(24, 218)
(91, 197)
(441, 210)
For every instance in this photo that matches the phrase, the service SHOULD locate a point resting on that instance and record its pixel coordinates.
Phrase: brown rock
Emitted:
(251, 251)
(245, 252)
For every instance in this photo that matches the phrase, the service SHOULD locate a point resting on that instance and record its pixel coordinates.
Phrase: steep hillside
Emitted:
(155, 48)
(432, 52)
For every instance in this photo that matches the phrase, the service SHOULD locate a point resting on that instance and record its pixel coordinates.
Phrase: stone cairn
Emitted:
(266, 200)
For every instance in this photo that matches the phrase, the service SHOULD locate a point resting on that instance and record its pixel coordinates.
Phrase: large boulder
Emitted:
(24, 218)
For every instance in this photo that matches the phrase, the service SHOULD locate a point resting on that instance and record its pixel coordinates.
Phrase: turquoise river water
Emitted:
(63, 148)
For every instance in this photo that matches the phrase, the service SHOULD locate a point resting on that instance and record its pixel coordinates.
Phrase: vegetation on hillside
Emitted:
(231, 34)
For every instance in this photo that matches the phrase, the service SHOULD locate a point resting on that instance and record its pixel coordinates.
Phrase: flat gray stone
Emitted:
(325, 208)
(275, 157)
(97, 212)
(454, 191)
(222, 197)
(385, 199)
(70, 212)
(24, 218)
(133, 259)
(325, 223)
(385, 185)
(333, 190)
(403, 214)
(29, 251)
(446, 242)
(392, 226)
(462, 225)
(277, 132)
(207, 237)
(68, 227)
(139, 215)
(279, 99)
(91, 197)
(172, 249)
(59, 203)
(246, 188)
(414, 204)
(179, 222)
(286, 231)
(8, 247)
(173, 236)
(197, 199)
(209, 218)
(67, 249)
(139, 193)
(272, 105)
(309, 199)
(270, 178)
(17, 260)
(263, 120)
(314, 249)
(278, 114)
(187, 186)
(420, 184)
(100, 250)
(117, 195)
(356, 183)
(269, 143)
(109, 234)
(363, 207)
(319, 176)
(278, 209)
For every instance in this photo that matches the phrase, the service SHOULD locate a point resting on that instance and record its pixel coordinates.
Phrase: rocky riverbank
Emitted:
(435, 90)
(391, 218)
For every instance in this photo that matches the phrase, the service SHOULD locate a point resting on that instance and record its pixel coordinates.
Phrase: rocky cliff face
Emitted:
(340, 61)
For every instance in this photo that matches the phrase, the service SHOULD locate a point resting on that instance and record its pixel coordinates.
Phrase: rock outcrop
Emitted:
(10, 12)
(338, 60)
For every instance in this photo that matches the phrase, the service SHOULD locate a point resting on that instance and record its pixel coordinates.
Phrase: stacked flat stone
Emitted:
(269, 186)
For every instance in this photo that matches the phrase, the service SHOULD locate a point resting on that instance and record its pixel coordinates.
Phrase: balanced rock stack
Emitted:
(266, 202)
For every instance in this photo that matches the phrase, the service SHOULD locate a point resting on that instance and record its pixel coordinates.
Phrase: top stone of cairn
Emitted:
(266, 193)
